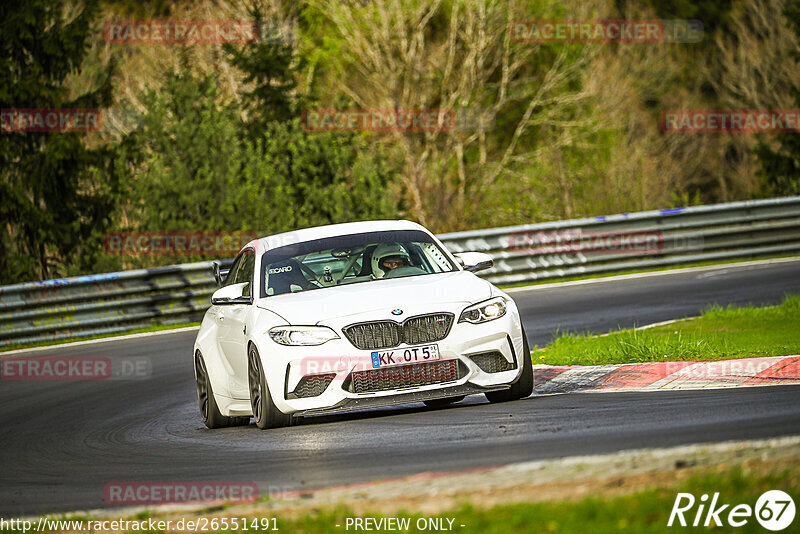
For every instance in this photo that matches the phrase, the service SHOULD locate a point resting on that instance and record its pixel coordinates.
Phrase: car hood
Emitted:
(376, 299)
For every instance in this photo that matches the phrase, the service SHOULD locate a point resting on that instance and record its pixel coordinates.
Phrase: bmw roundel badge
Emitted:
(398, 311)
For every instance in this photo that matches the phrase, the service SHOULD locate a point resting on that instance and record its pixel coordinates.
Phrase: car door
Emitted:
(232, 326)
(217, 309)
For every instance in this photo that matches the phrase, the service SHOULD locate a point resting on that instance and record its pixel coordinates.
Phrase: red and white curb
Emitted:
(667, 375)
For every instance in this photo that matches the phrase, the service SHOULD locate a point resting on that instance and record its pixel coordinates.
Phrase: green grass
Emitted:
(638, 271)
(719, 334)
(153, 328)
(645, 510)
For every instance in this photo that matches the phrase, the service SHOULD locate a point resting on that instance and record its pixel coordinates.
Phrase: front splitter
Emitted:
(361, 403)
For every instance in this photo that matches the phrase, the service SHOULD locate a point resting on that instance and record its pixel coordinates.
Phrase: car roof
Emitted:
(331, 230)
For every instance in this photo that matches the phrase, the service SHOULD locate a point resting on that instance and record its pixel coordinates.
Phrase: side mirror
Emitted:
(219, 274)
(474, 261)
(232, 294)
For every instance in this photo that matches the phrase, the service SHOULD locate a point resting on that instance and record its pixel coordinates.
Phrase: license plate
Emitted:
(387, 358)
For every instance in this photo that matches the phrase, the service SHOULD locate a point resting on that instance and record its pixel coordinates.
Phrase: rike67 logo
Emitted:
(774, 510)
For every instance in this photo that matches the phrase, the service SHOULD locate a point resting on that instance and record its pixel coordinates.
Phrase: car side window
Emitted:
(245, 271)
(229, 278)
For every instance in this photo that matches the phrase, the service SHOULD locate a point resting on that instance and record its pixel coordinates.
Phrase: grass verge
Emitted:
(719, 334)
(644, 511)
(621, 504)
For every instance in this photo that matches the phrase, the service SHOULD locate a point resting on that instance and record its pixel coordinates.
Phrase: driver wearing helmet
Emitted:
(387, 257)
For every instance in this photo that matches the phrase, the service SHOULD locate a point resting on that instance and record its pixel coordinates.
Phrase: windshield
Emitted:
(351, 259)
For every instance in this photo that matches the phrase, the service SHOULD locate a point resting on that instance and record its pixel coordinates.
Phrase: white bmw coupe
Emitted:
(351, 316)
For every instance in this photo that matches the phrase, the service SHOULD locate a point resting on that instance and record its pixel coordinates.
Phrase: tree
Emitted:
(458, 56)
(269, 67)
(187, 159)
(329, 177)
(195, 165)
(55, 190)
(780, 163)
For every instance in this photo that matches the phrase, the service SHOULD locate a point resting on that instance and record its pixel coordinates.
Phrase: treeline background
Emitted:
(209, 137)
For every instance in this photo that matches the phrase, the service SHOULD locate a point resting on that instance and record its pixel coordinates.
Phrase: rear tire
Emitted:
(209, 411)
(265, 413)
(438, 403)
(523, 387)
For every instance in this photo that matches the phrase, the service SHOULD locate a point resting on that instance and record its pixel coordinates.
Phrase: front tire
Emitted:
(265, 413)
(523, 387)
(209, 410)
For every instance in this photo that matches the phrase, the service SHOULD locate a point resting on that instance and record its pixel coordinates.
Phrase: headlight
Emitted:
(302, 335)
(481, 312)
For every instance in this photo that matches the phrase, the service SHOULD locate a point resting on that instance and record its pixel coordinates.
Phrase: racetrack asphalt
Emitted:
(62, 442)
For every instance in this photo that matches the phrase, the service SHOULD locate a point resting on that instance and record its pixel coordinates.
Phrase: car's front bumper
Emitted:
(286, 366)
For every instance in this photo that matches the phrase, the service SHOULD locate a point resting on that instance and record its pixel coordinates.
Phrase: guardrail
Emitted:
(118, 302)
